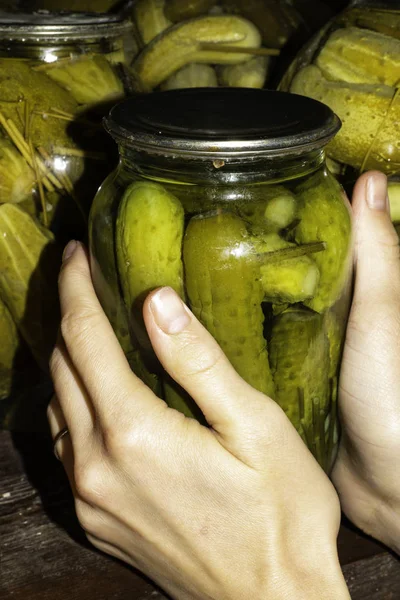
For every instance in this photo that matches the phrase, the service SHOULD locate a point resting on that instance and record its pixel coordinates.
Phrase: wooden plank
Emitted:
(375, 578)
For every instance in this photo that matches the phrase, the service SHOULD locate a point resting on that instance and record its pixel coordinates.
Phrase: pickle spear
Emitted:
(299, 355)
(226, 294)
(287, 281)
(324, 216)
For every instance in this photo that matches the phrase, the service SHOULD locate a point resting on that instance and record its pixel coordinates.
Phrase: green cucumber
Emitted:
(225, 292)
(299, 355)
(325, 216)
(149, 232)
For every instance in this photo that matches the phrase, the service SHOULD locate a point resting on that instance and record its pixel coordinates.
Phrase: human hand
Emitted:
(367, 471)
(237, 510)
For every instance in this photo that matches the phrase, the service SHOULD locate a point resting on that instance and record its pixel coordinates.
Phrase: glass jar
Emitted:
(353, 66)
(224, 196)
(59, 75)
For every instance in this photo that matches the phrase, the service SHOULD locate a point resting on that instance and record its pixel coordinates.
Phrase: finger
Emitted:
(71, 394)
(64, 449)
(194, 360)
(93, 347)
(376, 243)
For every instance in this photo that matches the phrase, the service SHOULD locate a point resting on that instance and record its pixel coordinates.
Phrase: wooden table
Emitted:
(45, 557)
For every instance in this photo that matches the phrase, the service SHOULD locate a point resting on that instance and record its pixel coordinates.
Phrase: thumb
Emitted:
(195, 361)
(377, 282)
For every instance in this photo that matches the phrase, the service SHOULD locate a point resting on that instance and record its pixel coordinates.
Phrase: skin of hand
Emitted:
(237, 510)
(367, 471)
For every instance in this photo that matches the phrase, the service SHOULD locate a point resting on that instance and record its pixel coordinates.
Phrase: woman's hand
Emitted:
(367, 472)
(237, 510)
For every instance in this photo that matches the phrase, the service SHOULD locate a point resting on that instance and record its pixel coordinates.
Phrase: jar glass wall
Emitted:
(254, 233)
(59, 75)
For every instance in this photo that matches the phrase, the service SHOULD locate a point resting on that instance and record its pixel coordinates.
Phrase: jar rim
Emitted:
(61, 26)
(155, 123)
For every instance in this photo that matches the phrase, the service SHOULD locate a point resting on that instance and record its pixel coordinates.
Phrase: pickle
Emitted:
(299, 355)
(29, 263)
(272, 18)
(150, 18)
(274, 210)
(106, 282)
(324, 216)
(394, 199)
(289, 280)
(251, 74)
(357, 55)
(225, 292)
(89, 79)
(193, 75)
(370, 116)
(383, 21)
(9, 338)
(21, 84)
(149, 233)
(17, 179)
(181, 10)
(181, 44)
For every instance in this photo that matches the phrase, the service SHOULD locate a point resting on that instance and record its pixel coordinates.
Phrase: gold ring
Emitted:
(59, 437)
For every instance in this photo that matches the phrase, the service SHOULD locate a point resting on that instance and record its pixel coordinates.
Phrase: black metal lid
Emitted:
(221, 121)
(61, 25)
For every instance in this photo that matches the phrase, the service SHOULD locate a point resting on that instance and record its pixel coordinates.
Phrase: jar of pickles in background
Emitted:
(59, 75)
(210, 43)
(224, 196)
(353, 66)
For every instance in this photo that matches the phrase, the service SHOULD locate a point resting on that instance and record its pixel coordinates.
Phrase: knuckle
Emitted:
(75, 324)
(91, 482)
(123, 442)
(198, 360)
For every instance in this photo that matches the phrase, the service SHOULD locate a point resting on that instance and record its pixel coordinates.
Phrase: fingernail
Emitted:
(69, 250)
(377, 196)
(169, 311)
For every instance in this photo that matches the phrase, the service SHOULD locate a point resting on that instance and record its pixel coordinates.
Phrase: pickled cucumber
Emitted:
(19, 83)
(180, 10)
(17, 179)
(150, 18)
(324, 216)
(299, 355)
(370, 116)
(29, 263)
(106, 282)
(89, 79)
(193, 75)
(149, 234)
(182, 44)
(225, 292)
(251, 74)
(394, 199)
(357, 55)
(9, 338)
(288, 280)
(275, 209)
